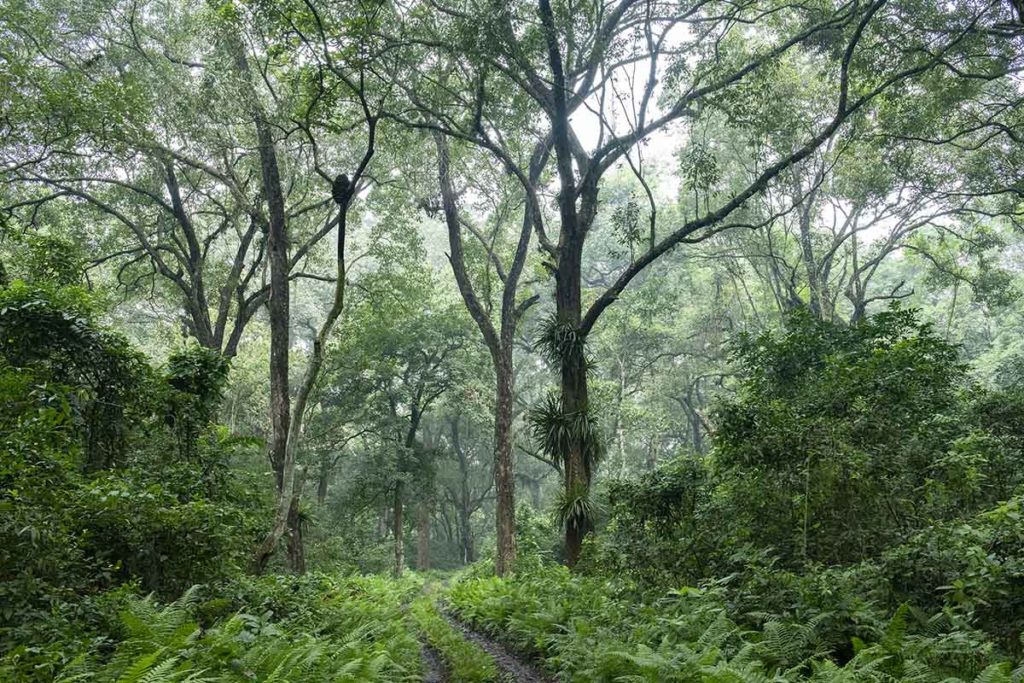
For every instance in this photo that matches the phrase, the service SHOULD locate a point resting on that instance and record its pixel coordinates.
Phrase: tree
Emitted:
(839, 215)
(287, 421)
(461, 493)
(499, 340)
(168, 186)
(401, 357)
(696, 58)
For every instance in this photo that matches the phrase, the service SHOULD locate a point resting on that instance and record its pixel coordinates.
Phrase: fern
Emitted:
(337, 631)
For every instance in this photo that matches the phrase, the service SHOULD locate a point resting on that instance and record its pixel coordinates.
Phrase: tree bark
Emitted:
(463, 500)
(504, 469)
(574, 393)
(811, 267)
(382, 522)
(574, 388)
(321, 483)
(281, 456)
(466, 542)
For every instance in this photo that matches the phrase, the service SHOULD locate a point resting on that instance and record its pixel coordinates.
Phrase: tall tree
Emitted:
(680, 63)
(498, 339)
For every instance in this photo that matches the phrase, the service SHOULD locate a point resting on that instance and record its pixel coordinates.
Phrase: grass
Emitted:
(466, 661)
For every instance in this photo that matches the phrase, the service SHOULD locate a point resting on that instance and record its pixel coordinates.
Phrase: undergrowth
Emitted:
(314, 629)
(593, 629)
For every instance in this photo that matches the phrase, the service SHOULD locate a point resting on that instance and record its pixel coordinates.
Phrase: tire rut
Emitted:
(434, 670)
(511, 668)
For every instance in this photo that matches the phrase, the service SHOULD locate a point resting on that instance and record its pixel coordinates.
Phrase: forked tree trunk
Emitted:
(499, 343)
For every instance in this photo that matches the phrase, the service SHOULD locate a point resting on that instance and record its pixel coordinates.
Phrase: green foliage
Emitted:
(141, 529)
(558, 430)
(859, 510)
(600, 629)
(198, 377)
(93, 492)
(970, 569)
(47, 259)
(49, 331)
(576, 508)
(625, 221)
(858, 515)
(311, 629)
(839, 443)
(200, 372)
(562, 343)
(663, 505)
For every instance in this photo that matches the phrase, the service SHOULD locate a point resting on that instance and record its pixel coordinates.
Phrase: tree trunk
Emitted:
(617, 428)
(382, 522)
(316, 360)
(652, 456)
(466, 534)
(568, 275)
(574, 391)
(807, 256)
(321, 483)
(296, 549)
(397, 528)
(499, 343)
(281, 456)
(464, 500)
(696, 433)
(504, 468)
(294, 431)
(423, 536)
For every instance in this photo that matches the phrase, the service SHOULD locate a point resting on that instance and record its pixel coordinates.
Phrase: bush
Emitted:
(95, 490)
(840, 443)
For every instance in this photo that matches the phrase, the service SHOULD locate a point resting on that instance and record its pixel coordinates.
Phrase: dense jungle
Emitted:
(469, 341)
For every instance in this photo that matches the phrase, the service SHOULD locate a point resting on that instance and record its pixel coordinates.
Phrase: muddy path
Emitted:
(512, 669)
(434, 670)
